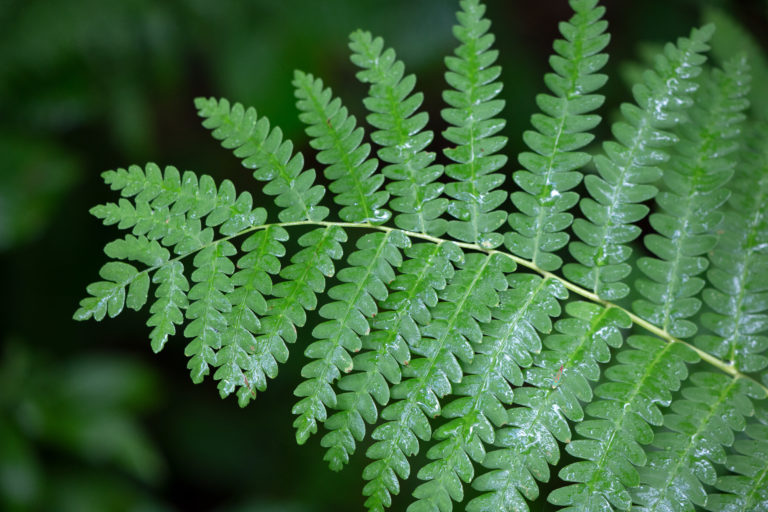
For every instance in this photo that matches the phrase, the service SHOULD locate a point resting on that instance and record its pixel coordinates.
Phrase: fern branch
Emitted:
(746, 488)
(473, 130)
(736, 299)
(552, 169)
(612, 445)
(304, 278)
(246, 361)
(335, 135)
(207, 307)
(528, 446)
(648, 326)
(628, 167)
(362, 282)
(171, 208)
(171, 295)
(699, 427)
(734, 39)
(395, 328)
(402, 333)
(262, 149)
(509, 340)
(445, 340)
(690, 213)
(400, 135)
(108, 297)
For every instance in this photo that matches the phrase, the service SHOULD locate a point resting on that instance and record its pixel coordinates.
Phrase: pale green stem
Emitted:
(730, 369)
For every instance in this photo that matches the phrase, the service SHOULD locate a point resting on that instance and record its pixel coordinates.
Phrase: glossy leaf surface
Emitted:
(439, 319)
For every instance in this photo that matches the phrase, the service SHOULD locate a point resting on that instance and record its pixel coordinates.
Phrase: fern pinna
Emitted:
(476, 319)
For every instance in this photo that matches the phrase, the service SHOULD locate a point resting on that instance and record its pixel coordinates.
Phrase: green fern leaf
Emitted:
(395, 327)
(448, 338)
(552, 168)
(689, 207)
(508, 342)
(364, 282)
(746, 489)
(207, 307)
(296, 293)
(400, 135)
(426, 338)
(138, 248)
(736, 301)
(628, 167)
(734, 39)
(335, 135)
(561, 378)
(262, 149)
(243, 360)
(107, 297)
(698, 428)
(473, 130)
(167, 310)
(611, 448)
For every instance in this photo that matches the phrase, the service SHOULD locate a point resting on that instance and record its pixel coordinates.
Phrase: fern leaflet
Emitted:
(552, 169)
(334, 133)
(401, 136)
(472, 109)
(686, 228)
(629, 167)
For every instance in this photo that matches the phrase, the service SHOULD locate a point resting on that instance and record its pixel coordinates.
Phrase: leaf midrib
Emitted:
(337, 145)
(718, 363)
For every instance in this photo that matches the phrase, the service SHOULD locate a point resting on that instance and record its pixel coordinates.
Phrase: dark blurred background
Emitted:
(90, 419)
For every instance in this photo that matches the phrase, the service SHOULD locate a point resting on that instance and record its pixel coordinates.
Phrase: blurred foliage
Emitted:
(734, 39)
(83, 414)
(88, 421)
(35, 173)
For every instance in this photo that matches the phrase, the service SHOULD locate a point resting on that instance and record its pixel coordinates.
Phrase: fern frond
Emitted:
(245, 360)
(473, 130)
(167, 310)
(424, 273)
(530, 445)
(552, 169)
(734, 39)
(628, 168)
(508, 342)
(208, 305)
(337, 138)
(714, 406)
(746, 489)
(401, 136)
(296, 293)
(168, 210)
(431, 333)
(737, 302)
(364, 282)
(264, 150)
(448, 338)
(620, 423)
(689, 207)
